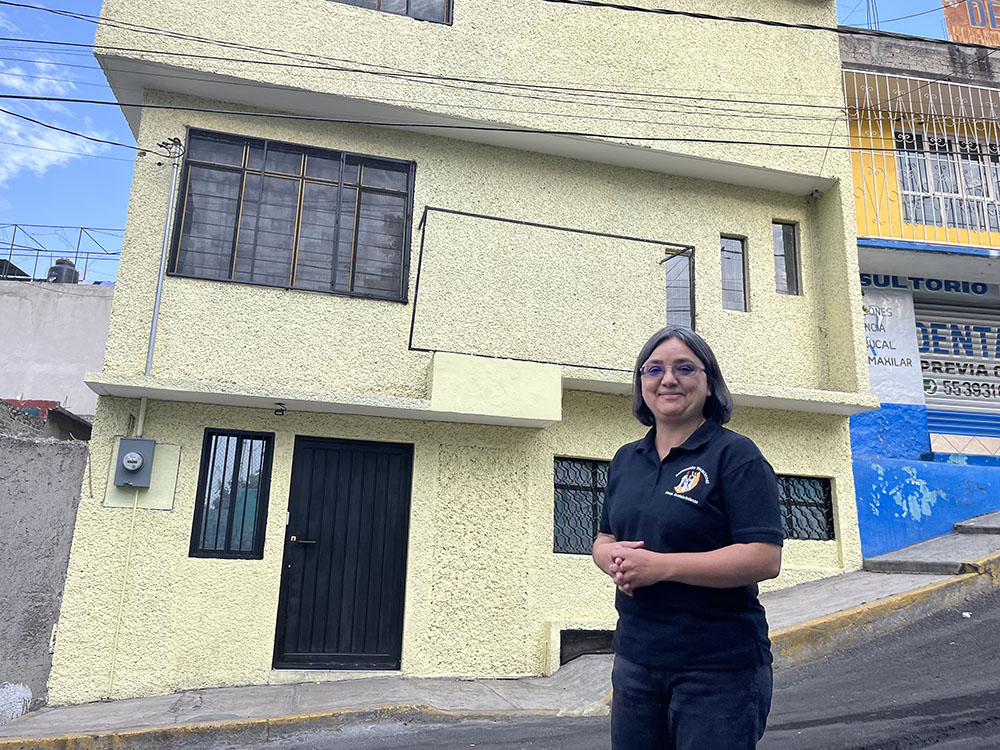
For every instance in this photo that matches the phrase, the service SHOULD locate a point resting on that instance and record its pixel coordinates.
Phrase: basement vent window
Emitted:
(806, 507)
(230, 512)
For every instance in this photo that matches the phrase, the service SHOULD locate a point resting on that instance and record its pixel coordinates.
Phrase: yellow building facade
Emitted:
(405, 278)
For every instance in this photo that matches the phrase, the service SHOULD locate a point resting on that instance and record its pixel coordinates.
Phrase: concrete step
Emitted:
(988, 524)
(950, 554)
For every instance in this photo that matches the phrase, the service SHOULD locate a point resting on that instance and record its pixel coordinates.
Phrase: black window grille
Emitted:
(230, 512)
(806, 507)
(579, 500)
(424, 10)
(274, 214)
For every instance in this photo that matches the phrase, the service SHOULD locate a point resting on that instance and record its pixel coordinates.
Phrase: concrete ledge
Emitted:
(815, 638)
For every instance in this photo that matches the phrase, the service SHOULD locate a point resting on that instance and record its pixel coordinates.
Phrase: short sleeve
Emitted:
(750, 494)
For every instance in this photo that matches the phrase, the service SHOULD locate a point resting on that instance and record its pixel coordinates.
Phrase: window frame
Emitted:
(793, 280)
(928, 151)
(593, 488)
(263, 496)
(449, 11)
(745, 286)
(363, 159)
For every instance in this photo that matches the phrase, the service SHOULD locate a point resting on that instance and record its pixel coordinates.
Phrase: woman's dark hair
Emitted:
(718, 406)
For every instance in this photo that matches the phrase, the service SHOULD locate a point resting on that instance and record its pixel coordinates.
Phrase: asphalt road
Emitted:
(932, 684)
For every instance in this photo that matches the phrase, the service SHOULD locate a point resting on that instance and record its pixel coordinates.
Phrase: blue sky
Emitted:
(51, 178)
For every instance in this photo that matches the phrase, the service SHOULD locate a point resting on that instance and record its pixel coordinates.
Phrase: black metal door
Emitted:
(342, 582)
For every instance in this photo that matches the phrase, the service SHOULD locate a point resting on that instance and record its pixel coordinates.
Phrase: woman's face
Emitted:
(673, 399)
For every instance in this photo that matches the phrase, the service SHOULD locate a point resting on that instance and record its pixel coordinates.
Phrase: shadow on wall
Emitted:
(906, 494)
(39, 492)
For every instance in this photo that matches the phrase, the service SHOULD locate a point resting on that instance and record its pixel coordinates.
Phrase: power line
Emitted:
(432, 126)
(67, 131)
(63, 151)
(839, 30)
(925, 12)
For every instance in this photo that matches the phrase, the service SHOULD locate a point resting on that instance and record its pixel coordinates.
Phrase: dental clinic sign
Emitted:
(973, 21)
(893, 358)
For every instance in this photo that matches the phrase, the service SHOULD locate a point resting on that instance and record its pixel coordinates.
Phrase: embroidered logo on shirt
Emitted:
(687, 480)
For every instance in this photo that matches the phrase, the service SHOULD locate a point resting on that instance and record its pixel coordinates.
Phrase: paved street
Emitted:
(933, 684)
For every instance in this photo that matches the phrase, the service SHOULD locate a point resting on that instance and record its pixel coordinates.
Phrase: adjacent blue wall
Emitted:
(902, 502)
(906, 494)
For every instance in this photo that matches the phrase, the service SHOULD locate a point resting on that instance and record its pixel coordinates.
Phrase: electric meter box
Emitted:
(135, 462)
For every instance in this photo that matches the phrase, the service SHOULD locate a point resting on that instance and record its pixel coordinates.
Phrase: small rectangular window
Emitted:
(806, 505)
(230, 512)
(579, 501)
(423, 10)
(786, 260)
(680, 291)
(734, 287)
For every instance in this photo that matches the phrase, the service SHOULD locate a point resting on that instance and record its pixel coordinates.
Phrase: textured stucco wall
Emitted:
(53, 335)
(234, 334)
(608, 50)
(39, 492)
(482, 500)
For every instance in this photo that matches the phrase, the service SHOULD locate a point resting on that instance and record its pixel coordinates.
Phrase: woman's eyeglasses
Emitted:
(680, 370)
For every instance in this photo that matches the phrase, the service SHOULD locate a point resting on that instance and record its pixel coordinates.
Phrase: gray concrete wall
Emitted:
(53, 335)
(39, 493)
(916, 56)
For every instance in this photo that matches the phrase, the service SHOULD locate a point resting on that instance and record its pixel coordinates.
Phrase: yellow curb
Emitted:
(817, 637)
(251, 730)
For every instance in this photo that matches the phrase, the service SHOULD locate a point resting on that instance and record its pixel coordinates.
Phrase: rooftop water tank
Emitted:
(63, 272)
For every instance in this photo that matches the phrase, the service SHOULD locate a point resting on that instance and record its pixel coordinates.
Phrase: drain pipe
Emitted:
(175, 151)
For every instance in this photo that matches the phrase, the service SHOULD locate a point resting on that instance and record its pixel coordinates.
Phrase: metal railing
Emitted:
(27, 251)
(926, 159)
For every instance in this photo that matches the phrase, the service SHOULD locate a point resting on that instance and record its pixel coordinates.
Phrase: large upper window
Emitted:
(425, 10)
(949, 182)
(263, 212)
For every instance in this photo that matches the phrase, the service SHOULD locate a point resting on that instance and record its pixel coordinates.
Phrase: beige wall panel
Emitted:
(482, 580)
(475, 297)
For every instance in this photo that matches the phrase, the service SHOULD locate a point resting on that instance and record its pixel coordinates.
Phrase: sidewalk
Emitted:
(806, 621)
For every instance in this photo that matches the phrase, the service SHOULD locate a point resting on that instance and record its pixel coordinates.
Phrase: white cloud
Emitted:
(39, 83)
(6, 24)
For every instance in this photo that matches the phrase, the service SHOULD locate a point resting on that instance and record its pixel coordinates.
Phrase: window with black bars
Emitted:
(275, 214)
(806, 507)
(579, 500)
(423, 10)
(230, 512)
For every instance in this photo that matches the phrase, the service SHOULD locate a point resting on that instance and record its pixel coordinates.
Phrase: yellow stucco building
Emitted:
(408, 257)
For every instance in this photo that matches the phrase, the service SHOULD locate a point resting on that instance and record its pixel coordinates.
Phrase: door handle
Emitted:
(302, 541)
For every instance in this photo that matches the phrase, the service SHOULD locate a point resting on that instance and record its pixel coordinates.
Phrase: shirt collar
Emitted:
(697, 439)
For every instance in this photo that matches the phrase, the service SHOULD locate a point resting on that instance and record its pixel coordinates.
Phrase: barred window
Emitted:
(786, 258)
(230, 511)
(806, 507)
(424, 10)
(274, 214)
(579, 500)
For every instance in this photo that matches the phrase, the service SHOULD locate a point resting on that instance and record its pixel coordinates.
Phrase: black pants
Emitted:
(702, 709)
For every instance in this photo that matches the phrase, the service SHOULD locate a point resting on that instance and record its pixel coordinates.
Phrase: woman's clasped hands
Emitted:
(632, 566)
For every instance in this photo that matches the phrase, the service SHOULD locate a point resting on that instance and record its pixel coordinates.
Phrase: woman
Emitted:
(690, 525)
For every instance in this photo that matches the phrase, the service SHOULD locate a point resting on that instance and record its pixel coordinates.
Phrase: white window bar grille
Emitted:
(928, 157)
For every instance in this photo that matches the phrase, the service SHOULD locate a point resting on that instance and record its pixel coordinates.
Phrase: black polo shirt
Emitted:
(714, 490)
